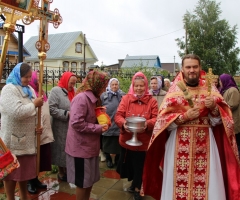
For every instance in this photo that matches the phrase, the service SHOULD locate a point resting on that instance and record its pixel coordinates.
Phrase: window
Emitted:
(65, 66)
(74, 66)
(78, 47)
(1, 39)
(36, 66)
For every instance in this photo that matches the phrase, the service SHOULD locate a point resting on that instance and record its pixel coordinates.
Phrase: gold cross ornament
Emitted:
(209, 79)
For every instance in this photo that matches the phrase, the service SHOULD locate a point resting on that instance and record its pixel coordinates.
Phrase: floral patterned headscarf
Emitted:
(95, 81)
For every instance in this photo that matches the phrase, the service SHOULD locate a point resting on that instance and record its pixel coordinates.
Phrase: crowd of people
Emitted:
(190, 141)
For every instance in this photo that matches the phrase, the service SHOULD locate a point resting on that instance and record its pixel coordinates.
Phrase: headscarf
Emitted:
(110, 93)
(15, 79)
(63, 83)
(34, 84)
(95, 81)
(159, 85)
(139, 74)
(227, 82)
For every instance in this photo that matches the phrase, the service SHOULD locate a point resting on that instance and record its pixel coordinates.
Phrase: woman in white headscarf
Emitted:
(156, 89)
(111, 99)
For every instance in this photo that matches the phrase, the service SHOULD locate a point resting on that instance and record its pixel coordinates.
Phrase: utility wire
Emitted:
(136, 40)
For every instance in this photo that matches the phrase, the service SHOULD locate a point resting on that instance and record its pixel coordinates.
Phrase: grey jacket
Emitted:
(111, 106)
(59, 106)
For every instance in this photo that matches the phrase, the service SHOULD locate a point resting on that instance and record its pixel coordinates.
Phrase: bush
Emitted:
(124, 75)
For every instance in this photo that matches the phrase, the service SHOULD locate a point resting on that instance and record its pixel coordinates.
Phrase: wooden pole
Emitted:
(9, 30)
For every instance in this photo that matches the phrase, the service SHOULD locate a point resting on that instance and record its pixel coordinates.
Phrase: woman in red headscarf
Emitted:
(138, 102)
(59, 104)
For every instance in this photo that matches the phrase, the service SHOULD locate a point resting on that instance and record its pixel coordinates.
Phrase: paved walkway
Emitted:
(109, 187)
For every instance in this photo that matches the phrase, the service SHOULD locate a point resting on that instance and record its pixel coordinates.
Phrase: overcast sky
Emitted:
(115, 28)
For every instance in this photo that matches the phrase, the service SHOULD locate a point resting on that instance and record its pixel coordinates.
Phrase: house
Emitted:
(173, 68)
(12, 52)
(67, 52)
(145, 61)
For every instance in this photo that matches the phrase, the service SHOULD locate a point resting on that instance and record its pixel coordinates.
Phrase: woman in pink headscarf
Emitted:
(138, 102)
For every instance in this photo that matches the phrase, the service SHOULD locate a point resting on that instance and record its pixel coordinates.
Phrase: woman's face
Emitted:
(166, 83)
(71, 83)
(220, 83)
(25, 80)
(215, 81)
(139, 87)
(114, 86)
(154, 84)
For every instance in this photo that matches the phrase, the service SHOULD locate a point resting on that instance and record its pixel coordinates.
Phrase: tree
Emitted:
(211, 38)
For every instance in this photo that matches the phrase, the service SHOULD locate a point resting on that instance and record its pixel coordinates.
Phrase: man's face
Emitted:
(191, 71)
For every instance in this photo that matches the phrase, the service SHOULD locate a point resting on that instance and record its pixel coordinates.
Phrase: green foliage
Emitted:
(124, 75)
(210, 38)
(54, 169)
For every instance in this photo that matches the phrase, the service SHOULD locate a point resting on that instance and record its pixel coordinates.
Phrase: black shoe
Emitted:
(137, 196)
(39, 184)
(31, 188)
(131, 189)
(62, 178)
(109, 164)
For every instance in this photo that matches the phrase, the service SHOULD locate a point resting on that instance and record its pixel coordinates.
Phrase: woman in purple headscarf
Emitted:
(230, 92)
(156, 89)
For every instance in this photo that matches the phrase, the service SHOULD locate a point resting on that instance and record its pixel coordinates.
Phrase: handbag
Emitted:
(7, 164)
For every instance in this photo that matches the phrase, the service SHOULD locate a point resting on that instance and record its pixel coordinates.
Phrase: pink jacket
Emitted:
(83, 136)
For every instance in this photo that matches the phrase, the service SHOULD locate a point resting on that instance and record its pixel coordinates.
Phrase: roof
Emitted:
(148, 61)
(59, 43)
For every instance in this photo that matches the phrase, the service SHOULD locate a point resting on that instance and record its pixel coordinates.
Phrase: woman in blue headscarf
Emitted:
(111, 99)
(18, 105)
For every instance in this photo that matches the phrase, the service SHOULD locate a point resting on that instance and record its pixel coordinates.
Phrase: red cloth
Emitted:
(63, 83)
(6, 159)
(224, 136)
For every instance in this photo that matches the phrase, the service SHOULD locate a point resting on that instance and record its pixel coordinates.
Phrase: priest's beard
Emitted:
(192, 81)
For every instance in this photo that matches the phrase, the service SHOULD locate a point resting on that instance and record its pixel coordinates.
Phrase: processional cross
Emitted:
(13, 11)
(16, 10)
(209, 79)
(45, 16)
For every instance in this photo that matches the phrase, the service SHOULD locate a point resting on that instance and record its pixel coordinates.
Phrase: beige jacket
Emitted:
(47, 134)
(232, 97)
(158, 97)
(18, 120)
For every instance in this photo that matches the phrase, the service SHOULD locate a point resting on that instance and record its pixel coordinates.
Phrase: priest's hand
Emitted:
(209, 102)
(193, 113)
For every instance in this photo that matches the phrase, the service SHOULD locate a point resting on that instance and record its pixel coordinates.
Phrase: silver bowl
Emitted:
(135, 125)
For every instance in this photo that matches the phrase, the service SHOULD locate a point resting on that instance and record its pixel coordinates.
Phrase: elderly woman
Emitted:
(59, 104)
(45, 139)
(156, 89)
(83, 137)
(138, 102)
(167, 84)
(111, 99)
(18, 124)
(231, 95)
